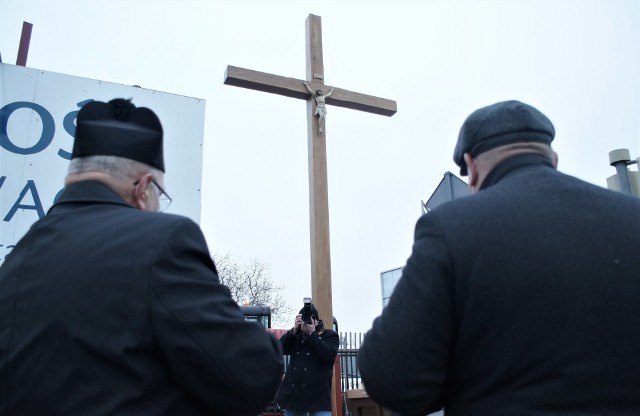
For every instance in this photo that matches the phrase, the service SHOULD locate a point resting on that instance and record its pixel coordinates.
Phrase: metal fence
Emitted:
(348, 352)
(349, 373)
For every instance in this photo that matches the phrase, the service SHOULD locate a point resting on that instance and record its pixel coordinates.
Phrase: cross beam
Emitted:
(294, 88)
(318, 192)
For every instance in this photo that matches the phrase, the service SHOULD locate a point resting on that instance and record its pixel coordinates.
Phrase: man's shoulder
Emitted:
(151, 217)
(176, 223)
(329, 333)
(156, 224)
(580, 192)
(168, 218)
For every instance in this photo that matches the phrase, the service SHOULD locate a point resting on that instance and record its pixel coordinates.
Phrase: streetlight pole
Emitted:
(620, 159)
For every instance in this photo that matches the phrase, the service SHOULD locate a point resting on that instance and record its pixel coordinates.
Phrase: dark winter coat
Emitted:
(522, 299)
(110, 310)
(307, 382)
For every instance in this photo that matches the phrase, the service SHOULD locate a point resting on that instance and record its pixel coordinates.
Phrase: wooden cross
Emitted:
(318, 193)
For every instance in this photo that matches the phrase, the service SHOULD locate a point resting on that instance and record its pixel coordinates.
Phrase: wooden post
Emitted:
(318, 187)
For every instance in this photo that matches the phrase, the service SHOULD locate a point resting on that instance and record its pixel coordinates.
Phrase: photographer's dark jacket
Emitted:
(110, 310)
(522, 299)
(307, 382)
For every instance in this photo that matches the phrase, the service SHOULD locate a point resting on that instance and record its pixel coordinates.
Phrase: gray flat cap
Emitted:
(499, 124)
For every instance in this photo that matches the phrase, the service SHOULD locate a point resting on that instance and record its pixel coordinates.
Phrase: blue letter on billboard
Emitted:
(30, 186)
(48, 128)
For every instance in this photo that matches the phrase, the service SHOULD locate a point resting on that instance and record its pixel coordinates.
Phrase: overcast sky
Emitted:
(577, 61)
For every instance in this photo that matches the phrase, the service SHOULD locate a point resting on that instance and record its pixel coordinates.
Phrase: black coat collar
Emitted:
(89, 192)
(513, 163)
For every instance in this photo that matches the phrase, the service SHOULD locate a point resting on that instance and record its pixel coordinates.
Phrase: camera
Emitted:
(306, 311)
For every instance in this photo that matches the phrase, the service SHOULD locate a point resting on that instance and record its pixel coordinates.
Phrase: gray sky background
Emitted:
(577, 61)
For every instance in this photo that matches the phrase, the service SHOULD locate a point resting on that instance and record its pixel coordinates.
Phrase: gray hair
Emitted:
(116, 166)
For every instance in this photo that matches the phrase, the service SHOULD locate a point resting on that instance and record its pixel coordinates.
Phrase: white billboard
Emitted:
(38, 110)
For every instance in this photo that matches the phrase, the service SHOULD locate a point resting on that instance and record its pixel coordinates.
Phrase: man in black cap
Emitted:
(520, 299)
(306, 387)
(109, 307)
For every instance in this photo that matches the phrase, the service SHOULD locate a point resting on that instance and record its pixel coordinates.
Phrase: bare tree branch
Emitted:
(253, 284)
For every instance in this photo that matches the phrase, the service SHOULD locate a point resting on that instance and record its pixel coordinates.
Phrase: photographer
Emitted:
(306, 387)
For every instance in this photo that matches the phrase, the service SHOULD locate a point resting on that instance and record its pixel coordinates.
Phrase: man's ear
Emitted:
(472, 170)
(141, 196)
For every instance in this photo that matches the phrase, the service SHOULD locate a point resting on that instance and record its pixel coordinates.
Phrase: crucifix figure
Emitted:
(321, 108)
(318, 192)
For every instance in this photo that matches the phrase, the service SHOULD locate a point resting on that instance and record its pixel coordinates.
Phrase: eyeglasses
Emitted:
(164, 200)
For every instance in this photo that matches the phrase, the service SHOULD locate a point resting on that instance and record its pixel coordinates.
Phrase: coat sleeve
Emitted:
(325, 347)
(403, 359)
(288, 341)
(232, 366)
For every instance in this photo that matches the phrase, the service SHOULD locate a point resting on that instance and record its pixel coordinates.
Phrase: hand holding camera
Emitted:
(297, 324)
(306, 325)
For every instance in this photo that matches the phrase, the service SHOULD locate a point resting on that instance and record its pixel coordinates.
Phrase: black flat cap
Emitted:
(499, 124)
(119, 128)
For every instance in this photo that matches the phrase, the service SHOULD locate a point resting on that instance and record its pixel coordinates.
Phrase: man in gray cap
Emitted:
(520, 299)
(109, 307)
